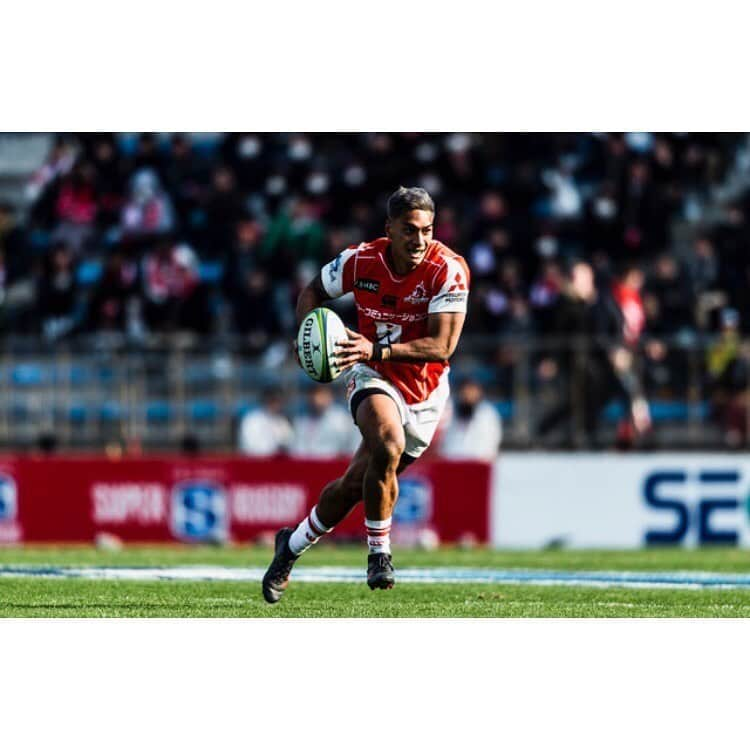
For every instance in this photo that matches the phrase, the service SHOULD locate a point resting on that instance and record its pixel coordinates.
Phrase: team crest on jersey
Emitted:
(419, 295)
(367, 285)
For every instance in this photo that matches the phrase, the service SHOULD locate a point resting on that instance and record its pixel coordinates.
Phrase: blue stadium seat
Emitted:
(211, 271)
(111, 411)
(77, 413)
(30, 374)
(506, 409)
(89, 272)
(203, 411)
(159, 411)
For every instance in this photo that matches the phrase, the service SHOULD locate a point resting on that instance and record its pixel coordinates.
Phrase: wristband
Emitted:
(380, 353)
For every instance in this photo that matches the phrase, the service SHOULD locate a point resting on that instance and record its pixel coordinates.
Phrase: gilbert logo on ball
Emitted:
(316, 344)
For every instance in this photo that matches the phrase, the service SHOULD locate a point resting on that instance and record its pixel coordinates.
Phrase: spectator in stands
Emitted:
(58, 303)
(474, 427)
(266, 431)
(544, 293)
(728, 378)
(670, 288)
(147, 156)
(597, 369)
(60, 161)
(114, 301)
(626, 291)
(13, 244)
(175, 297)
(110, 180)
(294, 235)
(703, 270)
(223, 210)
(185, 177)
(148, 211)
(76, 207)
(325, 429)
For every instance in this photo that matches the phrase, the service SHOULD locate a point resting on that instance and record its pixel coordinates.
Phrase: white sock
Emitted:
(378, 535)
(308, 532)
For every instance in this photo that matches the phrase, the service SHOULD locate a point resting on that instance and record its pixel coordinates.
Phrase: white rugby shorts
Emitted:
(419, 420)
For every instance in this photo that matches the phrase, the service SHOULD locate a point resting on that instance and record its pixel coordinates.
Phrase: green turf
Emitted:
(32, 597)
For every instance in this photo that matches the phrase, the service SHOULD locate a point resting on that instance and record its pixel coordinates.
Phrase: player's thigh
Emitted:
(379, 421)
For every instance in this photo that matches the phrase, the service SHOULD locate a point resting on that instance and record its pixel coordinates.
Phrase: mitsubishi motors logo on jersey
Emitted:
(419, 295)
(459, 286)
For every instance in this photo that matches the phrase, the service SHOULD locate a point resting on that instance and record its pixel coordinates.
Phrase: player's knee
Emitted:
(387, 453)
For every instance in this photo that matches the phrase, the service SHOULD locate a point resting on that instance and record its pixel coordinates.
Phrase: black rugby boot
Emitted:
(276, 578)
(380, 574)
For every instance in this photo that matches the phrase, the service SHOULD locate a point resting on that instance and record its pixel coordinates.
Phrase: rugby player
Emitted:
(411, 294)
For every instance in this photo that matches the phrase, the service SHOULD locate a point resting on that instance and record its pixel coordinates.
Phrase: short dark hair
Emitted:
(403, 200)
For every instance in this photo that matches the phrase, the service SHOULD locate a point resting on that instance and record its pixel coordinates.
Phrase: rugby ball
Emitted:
(316, 344)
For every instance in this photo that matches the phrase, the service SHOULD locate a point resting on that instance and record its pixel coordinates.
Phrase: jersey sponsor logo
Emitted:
(388, 300)
(376, 314)
(458, 285)
(419, 295)
(454, 297)
(367, 285)
(199, 512)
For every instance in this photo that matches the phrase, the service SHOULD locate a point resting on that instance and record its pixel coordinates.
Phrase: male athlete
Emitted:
(411, 293)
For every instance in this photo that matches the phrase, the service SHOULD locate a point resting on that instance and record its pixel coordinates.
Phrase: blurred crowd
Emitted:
(143, 234)
(155, 232)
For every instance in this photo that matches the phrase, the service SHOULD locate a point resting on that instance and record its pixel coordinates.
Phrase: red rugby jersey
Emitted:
(393, 308)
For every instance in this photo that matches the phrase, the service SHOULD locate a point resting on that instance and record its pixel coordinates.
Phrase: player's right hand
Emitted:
(356, 348)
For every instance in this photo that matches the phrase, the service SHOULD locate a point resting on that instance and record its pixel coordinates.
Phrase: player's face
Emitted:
(410, 234)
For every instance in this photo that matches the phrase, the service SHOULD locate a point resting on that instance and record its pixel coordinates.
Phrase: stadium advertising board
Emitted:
(170, 499)
(615, 500)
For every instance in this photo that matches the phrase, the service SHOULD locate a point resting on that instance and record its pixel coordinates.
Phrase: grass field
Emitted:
(35, 596)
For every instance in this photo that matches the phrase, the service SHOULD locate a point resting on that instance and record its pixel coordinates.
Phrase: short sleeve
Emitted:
(338, 275)
(452, 288)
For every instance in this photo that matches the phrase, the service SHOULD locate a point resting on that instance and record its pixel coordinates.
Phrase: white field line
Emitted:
(591, 579)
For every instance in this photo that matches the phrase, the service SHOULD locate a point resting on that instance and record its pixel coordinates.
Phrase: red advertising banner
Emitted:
(167, 499)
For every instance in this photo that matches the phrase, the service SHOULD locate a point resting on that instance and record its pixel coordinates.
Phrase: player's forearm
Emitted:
(310, 298)
(427, 349)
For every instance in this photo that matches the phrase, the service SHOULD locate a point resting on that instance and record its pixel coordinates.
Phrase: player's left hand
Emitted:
(356, 348)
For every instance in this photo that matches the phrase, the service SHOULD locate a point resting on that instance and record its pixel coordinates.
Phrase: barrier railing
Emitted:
(551, 393)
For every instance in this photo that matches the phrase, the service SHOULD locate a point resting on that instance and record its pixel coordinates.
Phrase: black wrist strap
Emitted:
(377, 352)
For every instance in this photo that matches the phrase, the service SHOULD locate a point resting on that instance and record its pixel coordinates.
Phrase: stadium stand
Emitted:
(147, 280)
